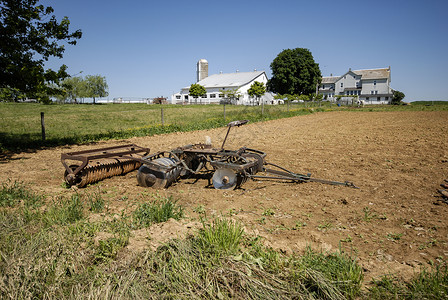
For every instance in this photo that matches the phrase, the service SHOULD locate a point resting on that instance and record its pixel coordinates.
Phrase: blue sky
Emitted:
(150, 48)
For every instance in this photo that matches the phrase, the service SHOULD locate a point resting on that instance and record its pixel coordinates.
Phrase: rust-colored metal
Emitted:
(225, 169)
(90, 166)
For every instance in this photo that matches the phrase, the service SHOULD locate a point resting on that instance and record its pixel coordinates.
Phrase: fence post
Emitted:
(163, 117)
(42, 123)
(224, 112)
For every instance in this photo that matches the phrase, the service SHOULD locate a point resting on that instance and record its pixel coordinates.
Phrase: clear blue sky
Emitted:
(150, 48)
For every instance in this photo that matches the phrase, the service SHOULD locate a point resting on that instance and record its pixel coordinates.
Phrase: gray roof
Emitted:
(230, 79)
(373, 73)
(365, 74)
(331, 79)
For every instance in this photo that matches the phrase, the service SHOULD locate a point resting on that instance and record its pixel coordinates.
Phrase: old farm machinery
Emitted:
(226, 169)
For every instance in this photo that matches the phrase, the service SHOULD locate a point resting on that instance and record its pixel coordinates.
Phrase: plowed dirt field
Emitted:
(395, 223)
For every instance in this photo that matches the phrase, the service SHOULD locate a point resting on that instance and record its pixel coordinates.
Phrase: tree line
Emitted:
(75, 89)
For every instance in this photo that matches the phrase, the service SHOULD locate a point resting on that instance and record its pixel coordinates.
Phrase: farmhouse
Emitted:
(224, 88)
(371, 86)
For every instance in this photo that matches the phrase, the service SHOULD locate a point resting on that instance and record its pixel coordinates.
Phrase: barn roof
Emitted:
(230, 79)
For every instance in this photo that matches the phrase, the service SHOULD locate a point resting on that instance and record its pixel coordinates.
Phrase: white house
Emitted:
(216, 85)
(371, 86)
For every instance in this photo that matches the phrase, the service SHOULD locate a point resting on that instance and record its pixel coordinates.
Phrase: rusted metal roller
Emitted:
(94, 165)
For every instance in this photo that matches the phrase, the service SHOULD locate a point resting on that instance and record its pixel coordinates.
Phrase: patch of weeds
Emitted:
(308, 215)
(428, 244)
(12, 193)
(369, 215)
(221, 236)
(262, 220)
(96, 202)
(299, 225)
(160, 210)
(65, 185)
(325, 226)
(200, 209)
(268, 212)
(65, 211)
(428, 284)
(394, 236)
(348, 239)
(108, 250)
(338, 268)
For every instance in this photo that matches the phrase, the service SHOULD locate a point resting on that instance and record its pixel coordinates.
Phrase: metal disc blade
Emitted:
(224, 179)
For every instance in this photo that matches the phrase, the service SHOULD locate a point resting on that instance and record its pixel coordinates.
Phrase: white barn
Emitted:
(216, 85)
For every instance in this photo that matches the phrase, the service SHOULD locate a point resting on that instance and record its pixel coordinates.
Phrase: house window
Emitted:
(186, 97)
(378, 98)
(367, 98)
(221, 95)
(371, 92)
(177, 96)
(204, 96)
(212, 95)
(342, 84)
(323, 86)
(374, 82)
(376, 92)
(387, 98)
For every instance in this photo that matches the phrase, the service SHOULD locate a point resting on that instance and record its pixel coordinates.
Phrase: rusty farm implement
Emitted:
(225, 169)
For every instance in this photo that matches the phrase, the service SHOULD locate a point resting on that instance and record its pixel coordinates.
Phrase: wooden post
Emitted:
(287, 104)
(163, 117)
(262, 108)
(42, 123)
(224, 112)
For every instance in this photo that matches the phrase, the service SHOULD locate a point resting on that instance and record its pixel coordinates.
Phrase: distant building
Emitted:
(371, 86)
(218, 85)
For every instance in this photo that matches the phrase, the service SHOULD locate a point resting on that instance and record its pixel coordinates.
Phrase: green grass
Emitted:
(51, 250)
(20, 123)
(157, 211)
(428, 284)
(14, 193)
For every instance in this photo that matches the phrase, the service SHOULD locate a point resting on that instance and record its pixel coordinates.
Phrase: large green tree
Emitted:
(30, 34)
(96, 86)
(294, 71)
(73, 89)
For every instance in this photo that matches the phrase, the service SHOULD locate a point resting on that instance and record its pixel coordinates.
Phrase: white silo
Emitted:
(202, 69)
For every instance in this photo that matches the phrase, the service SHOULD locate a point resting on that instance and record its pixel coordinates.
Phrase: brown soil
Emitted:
(395, 223)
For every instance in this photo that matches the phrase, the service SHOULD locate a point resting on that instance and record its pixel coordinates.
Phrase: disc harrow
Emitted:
(224, 169)
(90, 166)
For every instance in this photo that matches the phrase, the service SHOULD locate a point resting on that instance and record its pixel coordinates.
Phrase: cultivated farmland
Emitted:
(395, 223)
